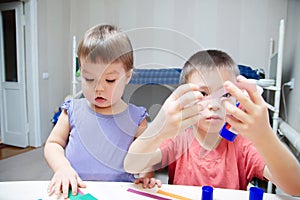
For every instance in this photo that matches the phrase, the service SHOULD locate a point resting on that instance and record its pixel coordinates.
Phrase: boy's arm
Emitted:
(282, 168)
(252, 122)
(143, 153)
(177, 113)
(135, 147)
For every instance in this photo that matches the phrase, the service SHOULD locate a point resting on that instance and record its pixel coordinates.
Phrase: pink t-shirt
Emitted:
(231, 165)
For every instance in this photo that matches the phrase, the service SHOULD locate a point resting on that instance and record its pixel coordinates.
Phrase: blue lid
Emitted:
(207, 193)
(227, 134)
(256, 193)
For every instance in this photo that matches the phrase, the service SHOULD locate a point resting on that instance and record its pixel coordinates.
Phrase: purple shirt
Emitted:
(98, 143)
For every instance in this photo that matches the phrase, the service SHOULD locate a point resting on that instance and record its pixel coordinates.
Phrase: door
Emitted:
(14, 123)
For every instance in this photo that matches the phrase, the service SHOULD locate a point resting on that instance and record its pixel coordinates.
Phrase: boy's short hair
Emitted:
(207, 60)
(105, 43)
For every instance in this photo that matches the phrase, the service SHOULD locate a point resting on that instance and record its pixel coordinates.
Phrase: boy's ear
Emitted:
(129, 75)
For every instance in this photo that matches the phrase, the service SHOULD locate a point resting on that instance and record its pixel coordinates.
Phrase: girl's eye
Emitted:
(204, 93)
(110, 81)
(227, 95)
(89, 79)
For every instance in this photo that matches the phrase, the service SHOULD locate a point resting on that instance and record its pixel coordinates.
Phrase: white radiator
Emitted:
(290, 133)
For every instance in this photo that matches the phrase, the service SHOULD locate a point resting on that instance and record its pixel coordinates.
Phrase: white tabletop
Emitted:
(35, 190)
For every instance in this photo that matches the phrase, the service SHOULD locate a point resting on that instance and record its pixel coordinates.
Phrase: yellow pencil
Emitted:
(172, 195)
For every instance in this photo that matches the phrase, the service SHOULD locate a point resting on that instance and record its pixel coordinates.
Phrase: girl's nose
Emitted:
(100, 86)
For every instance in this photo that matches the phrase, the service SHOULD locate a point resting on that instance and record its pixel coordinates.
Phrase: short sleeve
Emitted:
(143, 115)
(137, 113)
(66, 105)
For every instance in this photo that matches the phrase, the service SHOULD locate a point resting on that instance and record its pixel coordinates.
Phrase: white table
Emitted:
(35, 190)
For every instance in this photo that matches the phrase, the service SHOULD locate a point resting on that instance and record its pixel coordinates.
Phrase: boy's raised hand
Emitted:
(252, 120)
(179, 111)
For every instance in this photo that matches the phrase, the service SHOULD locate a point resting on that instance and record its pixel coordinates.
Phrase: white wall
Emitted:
(291, 63)
(243, 28)
(240, 27)
(55, 50)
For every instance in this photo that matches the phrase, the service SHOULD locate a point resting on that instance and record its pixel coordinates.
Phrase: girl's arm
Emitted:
(252, 122)
(56, 142)
(64, 174)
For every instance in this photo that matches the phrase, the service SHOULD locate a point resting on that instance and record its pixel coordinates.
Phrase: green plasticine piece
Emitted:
(83, 197)
(87, 197)
(75, 197)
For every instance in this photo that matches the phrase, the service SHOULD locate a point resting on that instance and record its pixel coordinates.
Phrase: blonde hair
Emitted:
(207, 60)
(105, 43)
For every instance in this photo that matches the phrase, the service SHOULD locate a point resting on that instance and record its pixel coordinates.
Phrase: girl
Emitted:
(93, 134)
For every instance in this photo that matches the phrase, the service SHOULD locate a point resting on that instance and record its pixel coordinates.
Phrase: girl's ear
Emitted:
(129, 75)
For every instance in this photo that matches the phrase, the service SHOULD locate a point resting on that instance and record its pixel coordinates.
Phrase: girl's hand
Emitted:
(252, 120)
(148, 182)
(62, 179)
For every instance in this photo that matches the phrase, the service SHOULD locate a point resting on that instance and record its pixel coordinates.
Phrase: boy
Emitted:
(196, 154)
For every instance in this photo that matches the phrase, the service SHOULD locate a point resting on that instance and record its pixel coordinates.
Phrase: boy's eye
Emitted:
(110, 80)
(204, 93)
(227, 95)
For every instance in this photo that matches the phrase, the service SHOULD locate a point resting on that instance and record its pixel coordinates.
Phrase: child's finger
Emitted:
(191, 111)
(188, 122)
(235, 116)
(65, 188)
(145, 182)
(183, 89)
(74, 186)
(234, 122)
(57, 188)
(245, 84)
(152, 183)
(251, 89)
(158, 183)
(190, 98)
(80, 182)
(50, 188)
(236, 92)
(137, 180)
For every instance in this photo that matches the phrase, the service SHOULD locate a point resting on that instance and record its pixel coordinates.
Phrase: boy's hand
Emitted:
(62, 179)
(252, 120)
(179, 111)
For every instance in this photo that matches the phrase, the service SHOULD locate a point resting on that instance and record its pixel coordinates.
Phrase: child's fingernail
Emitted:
(227, 84)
